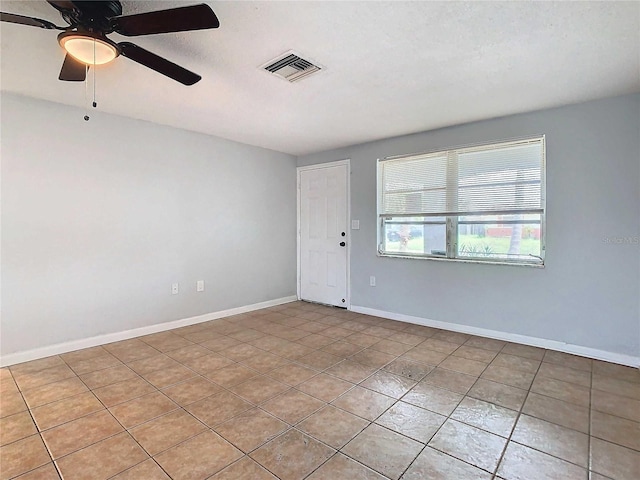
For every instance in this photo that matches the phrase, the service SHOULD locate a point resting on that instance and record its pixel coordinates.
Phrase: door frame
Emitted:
(299, 170)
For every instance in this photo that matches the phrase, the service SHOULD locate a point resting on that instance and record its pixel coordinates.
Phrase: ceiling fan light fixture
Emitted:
(88, 49)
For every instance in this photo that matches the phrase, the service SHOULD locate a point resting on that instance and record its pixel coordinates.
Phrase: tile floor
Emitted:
(305, 391)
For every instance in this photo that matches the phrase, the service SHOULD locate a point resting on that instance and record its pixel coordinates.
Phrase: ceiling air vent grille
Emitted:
(291, 67)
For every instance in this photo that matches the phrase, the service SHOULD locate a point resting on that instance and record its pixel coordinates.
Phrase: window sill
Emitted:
(460, 260)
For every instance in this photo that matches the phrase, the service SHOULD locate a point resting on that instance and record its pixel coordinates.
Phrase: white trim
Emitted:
(589, 352)
(337, 163)
(36, 353)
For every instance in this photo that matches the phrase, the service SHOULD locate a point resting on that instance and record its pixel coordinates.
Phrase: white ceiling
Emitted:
(391, 68)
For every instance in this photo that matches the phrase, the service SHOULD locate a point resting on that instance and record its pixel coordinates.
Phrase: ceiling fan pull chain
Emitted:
(86, 93)
(94, 74)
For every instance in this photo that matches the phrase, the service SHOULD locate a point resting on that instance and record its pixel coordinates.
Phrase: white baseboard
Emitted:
(589, 352)
(42, 352)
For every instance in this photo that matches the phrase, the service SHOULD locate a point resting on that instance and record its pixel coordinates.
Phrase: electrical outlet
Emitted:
(200, 286)
(372, 281)
(175, 288)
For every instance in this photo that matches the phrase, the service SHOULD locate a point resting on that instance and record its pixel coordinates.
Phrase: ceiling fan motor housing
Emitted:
(92, 15)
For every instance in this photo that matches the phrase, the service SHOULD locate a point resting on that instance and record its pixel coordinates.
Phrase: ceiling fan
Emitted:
(86, 43)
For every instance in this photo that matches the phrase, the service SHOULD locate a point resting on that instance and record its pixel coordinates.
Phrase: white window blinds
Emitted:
(499, 179)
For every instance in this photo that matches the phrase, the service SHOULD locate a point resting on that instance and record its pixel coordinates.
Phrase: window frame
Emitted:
(452, 221)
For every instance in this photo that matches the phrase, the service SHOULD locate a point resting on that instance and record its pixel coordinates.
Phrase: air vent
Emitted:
(291, 67)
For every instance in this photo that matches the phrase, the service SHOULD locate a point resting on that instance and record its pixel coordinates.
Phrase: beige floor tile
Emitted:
(425, 355)
(247, 335)
(470, 444)
(407, 338)
(292, 374)
(169, 376)
(319, 360)
(240, 352)
(259, 389)
(463, 365)
(616, 386)
(199, 457)
(11, 403)
(147, 470)
(16, 427)
(382, 450)
(615, 429)
(451, 337)
(619, 463)
(80, 433)
(325, 387)
(37, 365)
(388, 384)
(141, 409)
(411, 421)
(293, 455)
(166, 431)
(244, 469)
(439, 345)
(486, 343)
(406, 368)
(558, 412)
(191, 390)
(131, 350)
(292, 406)
(342, 467)
(108, 376)
(567, 392)
(46, 472)
(152, 363)
(219, 343)
(339, 348)
(52, 392)
(620, 372)
(567, 444)
(102, 460)
(22, 456)
(373, 358)
(391, 347)
(364, 403)
(450, 380)
(515, 362)
(525, 351)
(433, 398)
(218, 408)
(167, 343)
(362, 339)
(615, 405)
(508, 376)
(523, 463)
(351, 371)
(94, 364)
(567, 360)
(265, 362)
(315, 340)
(434, 465)
(208, 364)
(123, 391)
(184, 354)
(565, 374)
(333, 426)
(62, 411)
(474, 353)
(232, 375)
(250, 429)
(32, 379)
(487, 416)
(498, 393)
(336, 332)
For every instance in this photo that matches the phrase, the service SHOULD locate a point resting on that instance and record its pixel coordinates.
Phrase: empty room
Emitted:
(323, 240)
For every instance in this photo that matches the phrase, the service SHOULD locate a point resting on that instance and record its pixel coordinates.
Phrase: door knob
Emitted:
(342, 244)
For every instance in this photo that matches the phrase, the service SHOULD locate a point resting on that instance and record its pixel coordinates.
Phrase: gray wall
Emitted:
(589, 292)
(99, 218)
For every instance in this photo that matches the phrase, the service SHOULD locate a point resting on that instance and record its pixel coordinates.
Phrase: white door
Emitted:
(323, 234)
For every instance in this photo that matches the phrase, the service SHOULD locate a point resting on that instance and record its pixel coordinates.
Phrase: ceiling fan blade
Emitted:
(32, 22)
(159, 64)
(195, 17)
(62, 4)
(72, 70)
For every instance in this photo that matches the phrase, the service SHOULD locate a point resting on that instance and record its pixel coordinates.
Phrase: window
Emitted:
(480, 203)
